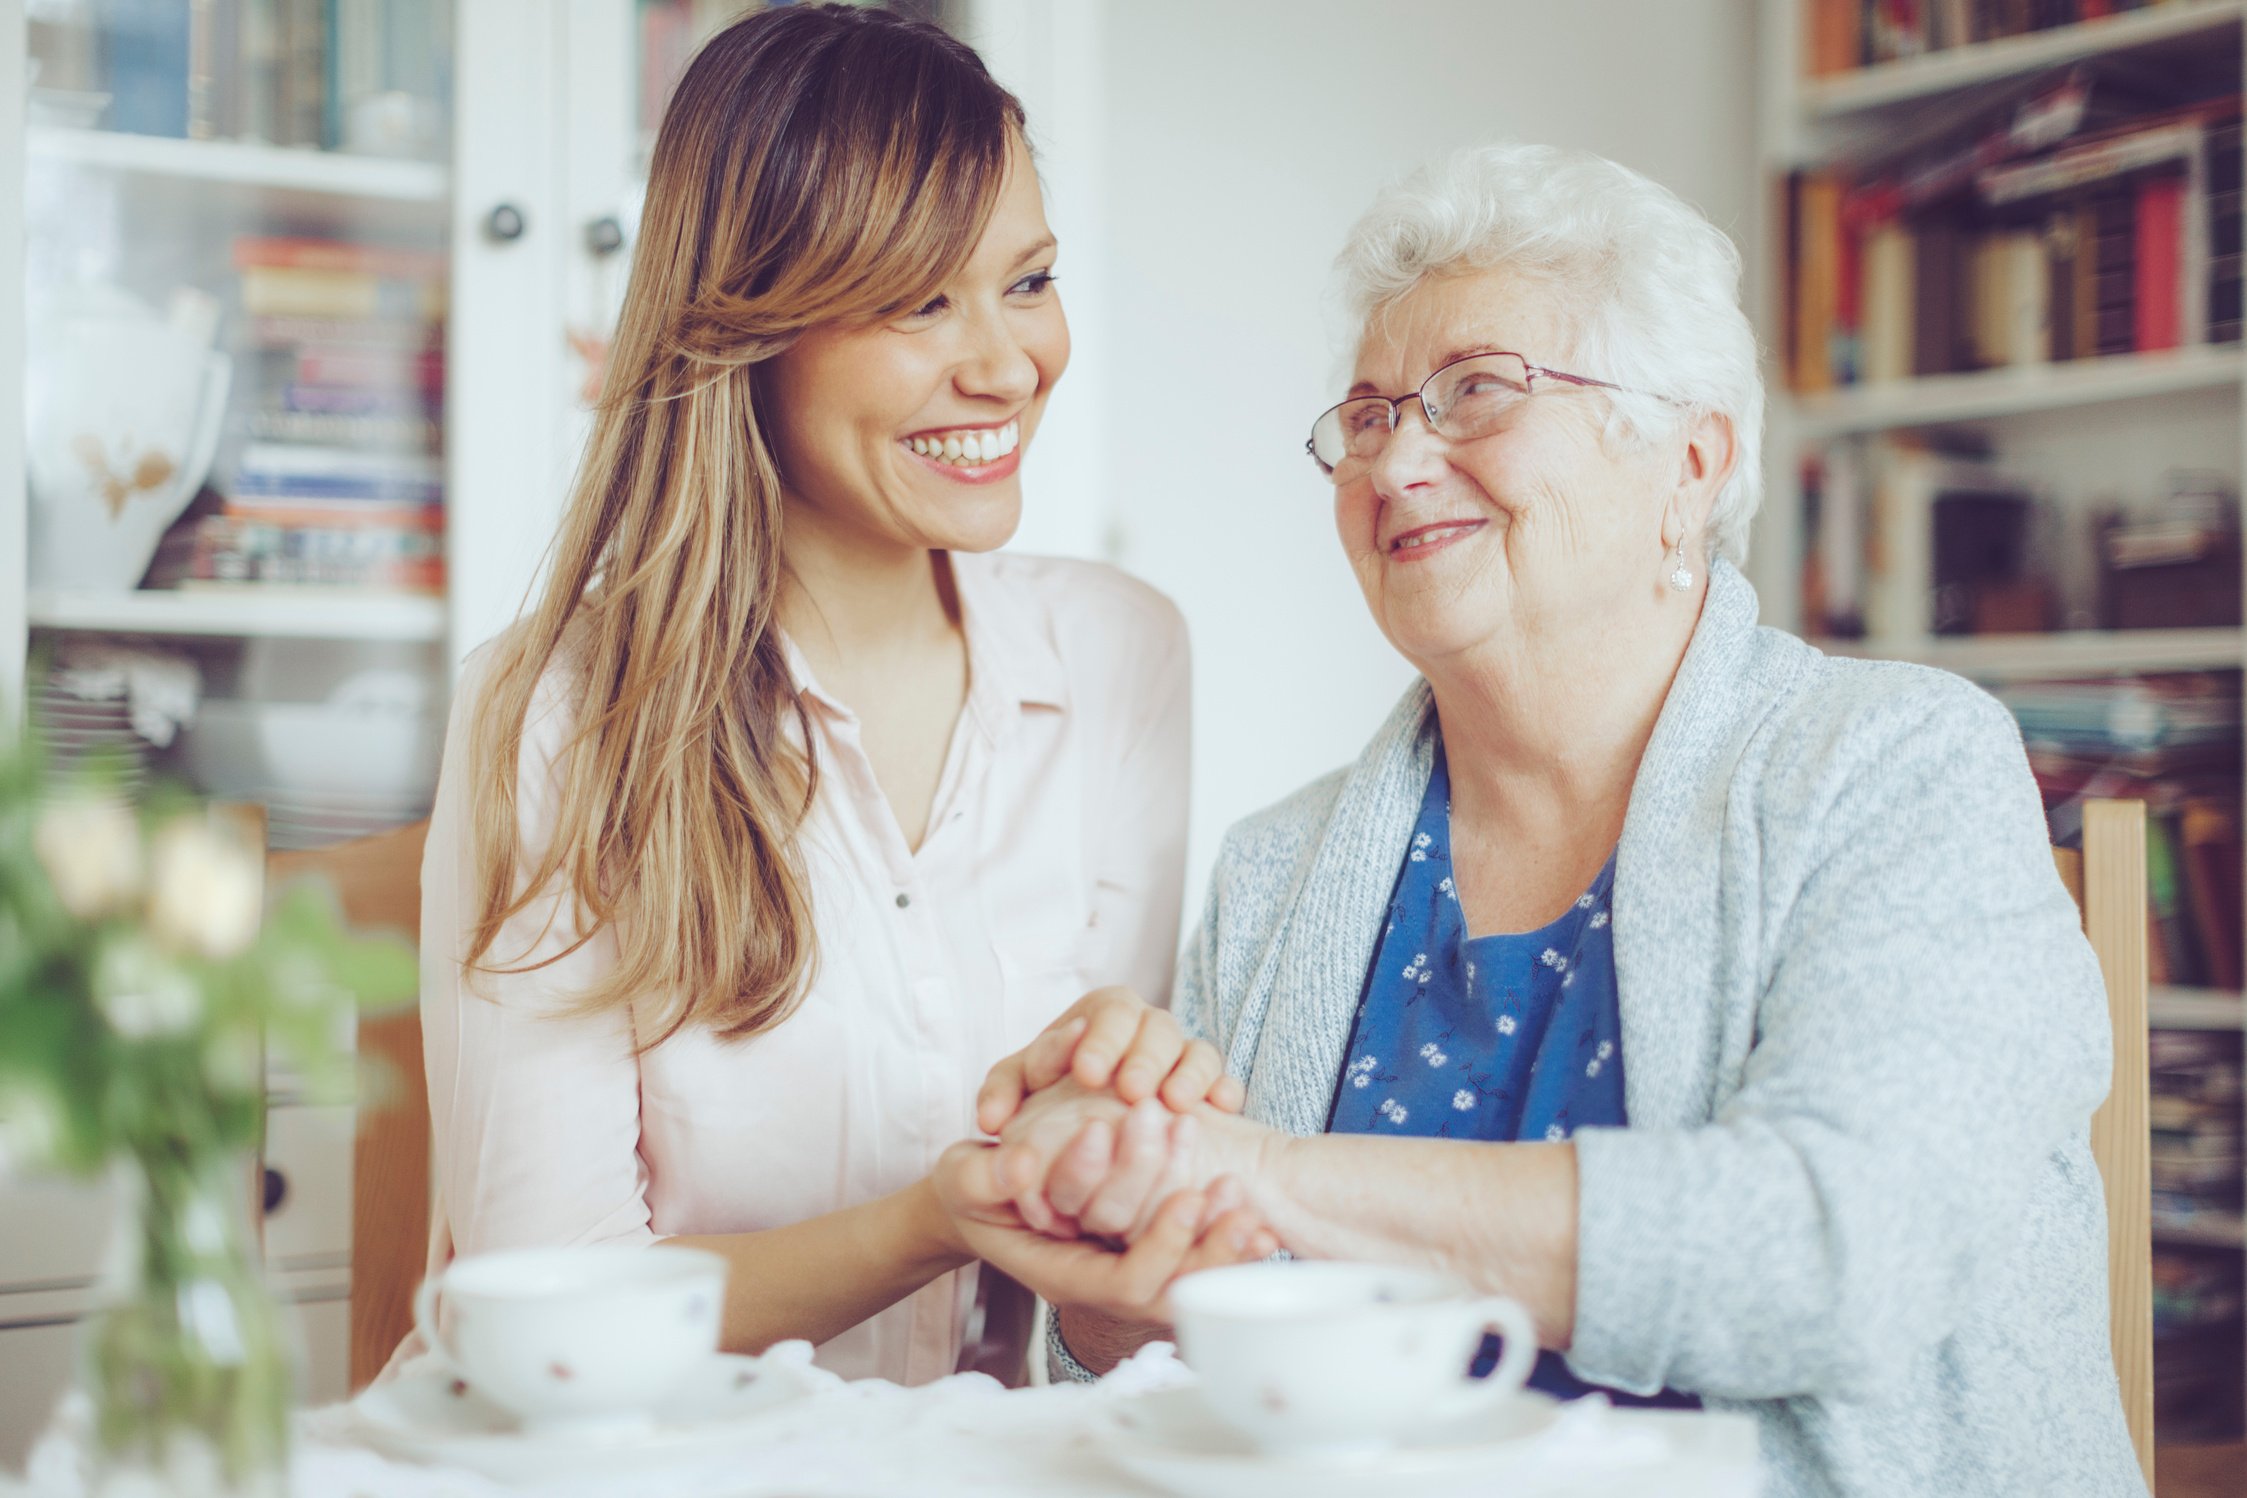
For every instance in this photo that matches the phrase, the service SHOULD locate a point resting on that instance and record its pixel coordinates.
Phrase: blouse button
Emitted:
(903, 900)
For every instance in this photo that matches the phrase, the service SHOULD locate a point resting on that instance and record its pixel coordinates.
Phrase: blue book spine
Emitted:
(145, 56)
(301, 486)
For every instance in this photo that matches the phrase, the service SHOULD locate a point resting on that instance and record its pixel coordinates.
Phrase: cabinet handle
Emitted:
(604, 236)
(276, 1190)
(504, 223)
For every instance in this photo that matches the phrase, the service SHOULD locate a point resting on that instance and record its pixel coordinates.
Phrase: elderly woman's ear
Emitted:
(1706, 463)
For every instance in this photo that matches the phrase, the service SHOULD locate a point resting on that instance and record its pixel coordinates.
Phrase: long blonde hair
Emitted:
(817, 164)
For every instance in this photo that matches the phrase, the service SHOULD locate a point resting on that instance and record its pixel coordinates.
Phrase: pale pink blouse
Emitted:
(1053, 863)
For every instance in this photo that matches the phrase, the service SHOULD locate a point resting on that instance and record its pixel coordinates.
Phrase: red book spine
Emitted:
(2160, 321)
(251, 250)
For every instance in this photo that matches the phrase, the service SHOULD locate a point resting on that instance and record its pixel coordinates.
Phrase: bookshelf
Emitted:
(1989, 394)
(116, 210)
(218, 163)
(2079, 436)
(2195, 1009)
(1885, 85)
(2085, 652)
(242, 614)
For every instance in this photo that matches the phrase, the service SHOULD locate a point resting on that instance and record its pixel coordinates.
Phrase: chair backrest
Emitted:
(378, 881)
(2108, 880)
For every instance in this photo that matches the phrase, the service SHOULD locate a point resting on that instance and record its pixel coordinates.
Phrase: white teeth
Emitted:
(1411, 543)
(969, 449)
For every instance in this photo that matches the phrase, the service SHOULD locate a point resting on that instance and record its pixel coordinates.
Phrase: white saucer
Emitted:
(1171, 1439)
(427, 1414)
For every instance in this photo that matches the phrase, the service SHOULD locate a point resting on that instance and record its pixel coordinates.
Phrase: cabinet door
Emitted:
(509, 398)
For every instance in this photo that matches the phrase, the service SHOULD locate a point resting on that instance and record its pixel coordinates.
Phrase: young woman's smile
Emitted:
(970, 455)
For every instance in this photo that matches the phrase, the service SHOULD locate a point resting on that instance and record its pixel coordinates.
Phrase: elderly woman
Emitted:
(1714, 998)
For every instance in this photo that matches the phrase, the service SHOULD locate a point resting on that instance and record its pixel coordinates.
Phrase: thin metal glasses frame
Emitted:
(1531, 374)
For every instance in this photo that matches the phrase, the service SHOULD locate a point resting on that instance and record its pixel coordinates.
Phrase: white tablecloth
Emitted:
(968, 1436)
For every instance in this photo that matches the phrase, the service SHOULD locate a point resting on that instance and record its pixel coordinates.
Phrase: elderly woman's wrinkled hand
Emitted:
(1110, 1038)
(1083, 1162)
(1189, 1231)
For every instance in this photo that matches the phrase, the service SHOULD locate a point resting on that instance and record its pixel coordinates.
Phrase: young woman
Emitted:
(785, 811)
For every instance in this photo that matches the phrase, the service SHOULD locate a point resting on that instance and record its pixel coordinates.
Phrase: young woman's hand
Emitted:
(1192, 1230)
(1111, 1038)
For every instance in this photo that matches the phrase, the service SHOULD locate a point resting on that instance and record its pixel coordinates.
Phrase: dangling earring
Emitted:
(1681, 576)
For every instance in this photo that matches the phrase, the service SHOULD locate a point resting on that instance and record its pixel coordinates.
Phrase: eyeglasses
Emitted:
(1472, 397)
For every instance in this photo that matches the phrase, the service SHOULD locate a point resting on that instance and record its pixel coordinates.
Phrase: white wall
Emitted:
(1242, 137)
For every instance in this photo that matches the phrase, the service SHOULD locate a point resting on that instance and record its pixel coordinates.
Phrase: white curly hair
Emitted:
(1649, 288)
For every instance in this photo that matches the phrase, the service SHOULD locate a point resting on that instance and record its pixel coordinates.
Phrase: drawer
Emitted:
(324, 1340)
(37, 1363)
(308, 1165)
(53, 1234)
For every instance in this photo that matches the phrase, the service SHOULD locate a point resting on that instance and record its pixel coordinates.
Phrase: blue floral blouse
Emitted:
(1491, 1037)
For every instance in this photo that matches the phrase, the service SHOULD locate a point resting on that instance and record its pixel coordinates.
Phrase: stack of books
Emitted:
(2196, 1315)
(2197, 1268)
(2172, 741)
(2196, 1127)
(1846, 34)
(1904, 541)
(2080, 223)
(342, 482)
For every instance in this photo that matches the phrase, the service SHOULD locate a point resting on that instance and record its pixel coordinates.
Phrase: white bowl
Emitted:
(311, 749)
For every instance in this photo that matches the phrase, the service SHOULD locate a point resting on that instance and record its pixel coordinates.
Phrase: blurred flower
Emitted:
(208, 889)
(90, 848)
(141, 994)
(234, 1060)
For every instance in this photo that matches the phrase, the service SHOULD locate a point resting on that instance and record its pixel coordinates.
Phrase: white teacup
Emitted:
(601, 1334)
(1331, 1358)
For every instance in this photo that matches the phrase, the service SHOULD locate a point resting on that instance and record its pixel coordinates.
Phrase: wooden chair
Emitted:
(2108, 880)
(378, 881)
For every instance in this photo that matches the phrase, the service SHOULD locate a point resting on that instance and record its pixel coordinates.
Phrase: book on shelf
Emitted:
(2082, 224)
(1841, 36)
(233, 549)
(366, 75)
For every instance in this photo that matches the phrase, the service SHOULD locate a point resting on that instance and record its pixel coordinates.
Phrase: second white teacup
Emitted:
(1331, 1358)
(594, 1335)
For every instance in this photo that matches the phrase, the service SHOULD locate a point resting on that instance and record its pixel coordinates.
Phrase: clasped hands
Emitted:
(1119, 1162)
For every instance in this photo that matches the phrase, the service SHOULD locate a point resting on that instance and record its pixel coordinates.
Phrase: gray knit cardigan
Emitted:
(1863, 1037)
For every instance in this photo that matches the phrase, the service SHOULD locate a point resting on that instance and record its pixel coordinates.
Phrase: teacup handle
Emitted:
(1509, 1320)
(425, 1318)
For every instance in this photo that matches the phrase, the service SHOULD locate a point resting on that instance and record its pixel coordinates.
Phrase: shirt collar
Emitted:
(1012, 661)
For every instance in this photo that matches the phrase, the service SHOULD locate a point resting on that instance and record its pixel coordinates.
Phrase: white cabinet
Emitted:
(471, 157)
